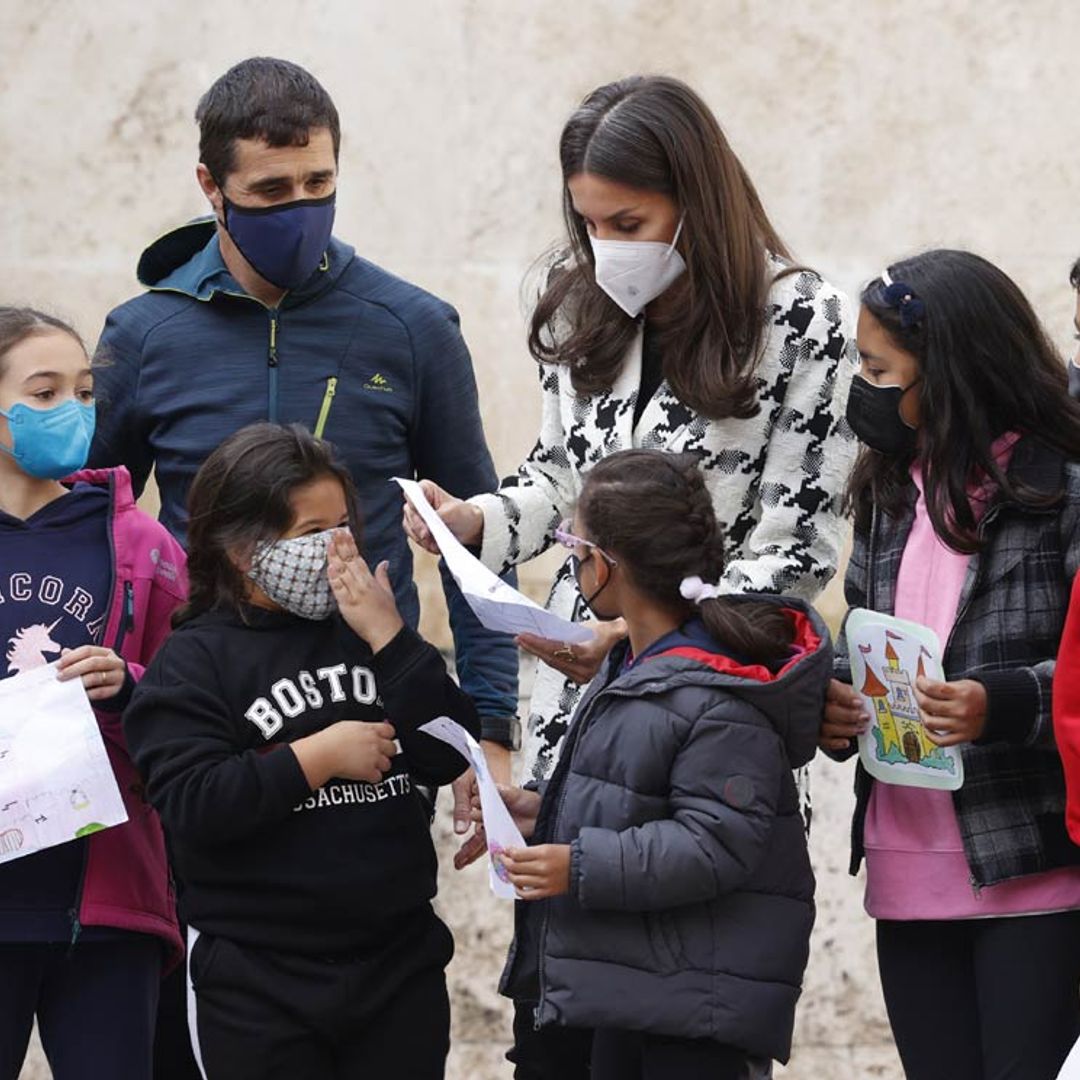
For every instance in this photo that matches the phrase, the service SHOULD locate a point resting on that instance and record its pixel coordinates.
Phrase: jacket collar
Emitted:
(188, 260)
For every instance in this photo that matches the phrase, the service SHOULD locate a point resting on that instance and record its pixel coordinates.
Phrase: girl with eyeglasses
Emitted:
(666, 891)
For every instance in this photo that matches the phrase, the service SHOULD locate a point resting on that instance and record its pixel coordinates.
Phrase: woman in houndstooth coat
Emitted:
(741, 356)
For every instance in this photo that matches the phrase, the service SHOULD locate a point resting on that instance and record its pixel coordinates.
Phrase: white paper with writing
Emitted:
(56, 783)
(497, 605)
(499, 826)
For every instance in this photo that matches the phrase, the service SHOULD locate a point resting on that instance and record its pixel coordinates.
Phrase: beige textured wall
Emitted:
(871, 128)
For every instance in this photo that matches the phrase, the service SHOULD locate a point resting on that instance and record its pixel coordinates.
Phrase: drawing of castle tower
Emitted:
(896, 710)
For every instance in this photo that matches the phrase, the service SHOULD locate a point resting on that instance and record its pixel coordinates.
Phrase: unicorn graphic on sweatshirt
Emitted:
(31, 647)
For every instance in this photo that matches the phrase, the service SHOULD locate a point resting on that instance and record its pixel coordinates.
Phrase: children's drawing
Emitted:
(56, 782)
(888, 656)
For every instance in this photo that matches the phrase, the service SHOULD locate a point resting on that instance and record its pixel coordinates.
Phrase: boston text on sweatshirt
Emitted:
(261, 858)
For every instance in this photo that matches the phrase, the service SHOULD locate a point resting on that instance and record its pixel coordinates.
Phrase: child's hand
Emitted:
(953, 712)
(365, 600)
(523, 806)
(351, 749)
(845, 716)
(538, 872)
(101, 670)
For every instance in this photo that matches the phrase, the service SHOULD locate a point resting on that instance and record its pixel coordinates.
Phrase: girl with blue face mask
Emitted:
(87, 582)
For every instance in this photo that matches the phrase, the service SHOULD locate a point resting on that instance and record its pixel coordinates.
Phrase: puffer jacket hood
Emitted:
(691, 894)
(791, 697)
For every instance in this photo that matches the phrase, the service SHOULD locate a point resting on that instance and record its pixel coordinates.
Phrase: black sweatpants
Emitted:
(562, 1053)
(262, 1015)
(982, 999)
(95, 1006)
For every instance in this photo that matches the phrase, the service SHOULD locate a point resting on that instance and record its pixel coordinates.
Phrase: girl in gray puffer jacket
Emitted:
(668, 895)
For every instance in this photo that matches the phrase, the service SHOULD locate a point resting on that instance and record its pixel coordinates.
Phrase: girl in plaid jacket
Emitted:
(966, 500)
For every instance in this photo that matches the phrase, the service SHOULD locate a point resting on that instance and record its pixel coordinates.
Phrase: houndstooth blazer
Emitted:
(775, 478)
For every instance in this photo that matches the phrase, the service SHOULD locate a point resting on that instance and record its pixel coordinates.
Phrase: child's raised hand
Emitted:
(350, 749)
(538, 873)
(953, 712)
(845, 716)
(365, 600)
(101, 670)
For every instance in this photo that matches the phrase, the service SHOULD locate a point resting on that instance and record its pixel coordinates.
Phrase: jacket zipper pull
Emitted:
(327, 402)
(272, 364)
(127, 620)
(76, 927)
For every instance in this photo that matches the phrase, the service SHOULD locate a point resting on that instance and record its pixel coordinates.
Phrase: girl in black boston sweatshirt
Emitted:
(268, 731)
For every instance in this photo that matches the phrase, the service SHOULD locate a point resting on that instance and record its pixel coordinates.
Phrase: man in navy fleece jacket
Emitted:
(257, 313)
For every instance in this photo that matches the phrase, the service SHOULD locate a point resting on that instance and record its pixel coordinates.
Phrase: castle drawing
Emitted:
(899, 732)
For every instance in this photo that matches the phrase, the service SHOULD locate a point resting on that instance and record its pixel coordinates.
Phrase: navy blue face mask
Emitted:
(285, 243)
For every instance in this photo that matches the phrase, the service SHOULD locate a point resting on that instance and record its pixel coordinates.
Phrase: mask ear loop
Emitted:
(678, 232)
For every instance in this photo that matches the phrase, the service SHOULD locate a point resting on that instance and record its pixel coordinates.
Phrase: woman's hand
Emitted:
(538, 873)
(953, 712)
(845, 716)
(365, 600)
(467, 799)
(101, 670)
(463, 519)
(579, 662)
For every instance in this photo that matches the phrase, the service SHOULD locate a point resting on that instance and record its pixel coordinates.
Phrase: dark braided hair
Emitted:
(652, 512)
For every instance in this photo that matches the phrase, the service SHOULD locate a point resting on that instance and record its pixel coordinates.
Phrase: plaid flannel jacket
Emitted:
(1009, 622)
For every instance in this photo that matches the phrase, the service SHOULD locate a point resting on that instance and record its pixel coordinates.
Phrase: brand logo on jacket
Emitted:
(380, 383)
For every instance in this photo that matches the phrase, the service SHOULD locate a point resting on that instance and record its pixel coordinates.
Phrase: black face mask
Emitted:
(874, 415)
(589, 599)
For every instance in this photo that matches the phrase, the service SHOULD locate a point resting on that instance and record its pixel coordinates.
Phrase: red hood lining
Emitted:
(807, 641)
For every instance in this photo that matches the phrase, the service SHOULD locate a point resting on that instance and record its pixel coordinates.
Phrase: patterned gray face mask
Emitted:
(293, 574)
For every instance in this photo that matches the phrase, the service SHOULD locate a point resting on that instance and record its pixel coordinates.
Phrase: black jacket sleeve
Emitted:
(179, 733)
(416, 688)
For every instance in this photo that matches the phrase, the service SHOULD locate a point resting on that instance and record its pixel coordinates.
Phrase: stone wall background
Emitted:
(871, 128)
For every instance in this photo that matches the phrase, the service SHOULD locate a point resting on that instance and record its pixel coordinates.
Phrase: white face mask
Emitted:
(635, 272)
(293, 574)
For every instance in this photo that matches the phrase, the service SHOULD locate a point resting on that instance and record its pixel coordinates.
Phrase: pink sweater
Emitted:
(915, 863)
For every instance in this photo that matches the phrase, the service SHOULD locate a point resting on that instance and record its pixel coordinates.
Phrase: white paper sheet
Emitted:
(56, 783)
(499, 826)
(497, 605)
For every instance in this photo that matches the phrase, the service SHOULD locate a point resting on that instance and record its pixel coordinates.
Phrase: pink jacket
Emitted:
(126, 883)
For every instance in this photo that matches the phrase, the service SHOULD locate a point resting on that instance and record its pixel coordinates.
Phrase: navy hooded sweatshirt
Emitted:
(374, 364)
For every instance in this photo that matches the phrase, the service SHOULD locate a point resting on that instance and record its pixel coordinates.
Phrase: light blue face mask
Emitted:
(50, 443)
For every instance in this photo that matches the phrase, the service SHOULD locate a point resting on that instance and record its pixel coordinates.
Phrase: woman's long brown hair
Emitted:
(656, 134)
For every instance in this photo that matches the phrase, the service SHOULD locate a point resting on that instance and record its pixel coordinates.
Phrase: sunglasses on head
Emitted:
(577, 545)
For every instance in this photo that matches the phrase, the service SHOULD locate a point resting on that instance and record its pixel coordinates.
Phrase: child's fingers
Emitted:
(932, 688)
(94, 666)
(833, 743)
(382, 575)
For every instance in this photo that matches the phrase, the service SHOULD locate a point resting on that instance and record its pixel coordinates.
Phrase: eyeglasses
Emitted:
(576, 543)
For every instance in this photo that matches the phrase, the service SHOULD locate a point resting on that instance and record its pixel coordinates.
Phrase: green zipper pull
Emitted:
(327, 401)
(272, 364)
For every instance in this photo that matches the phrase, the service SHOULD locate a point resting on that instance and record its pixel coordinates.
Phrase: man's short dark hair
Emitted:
(261, 98)
(1074, 275)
